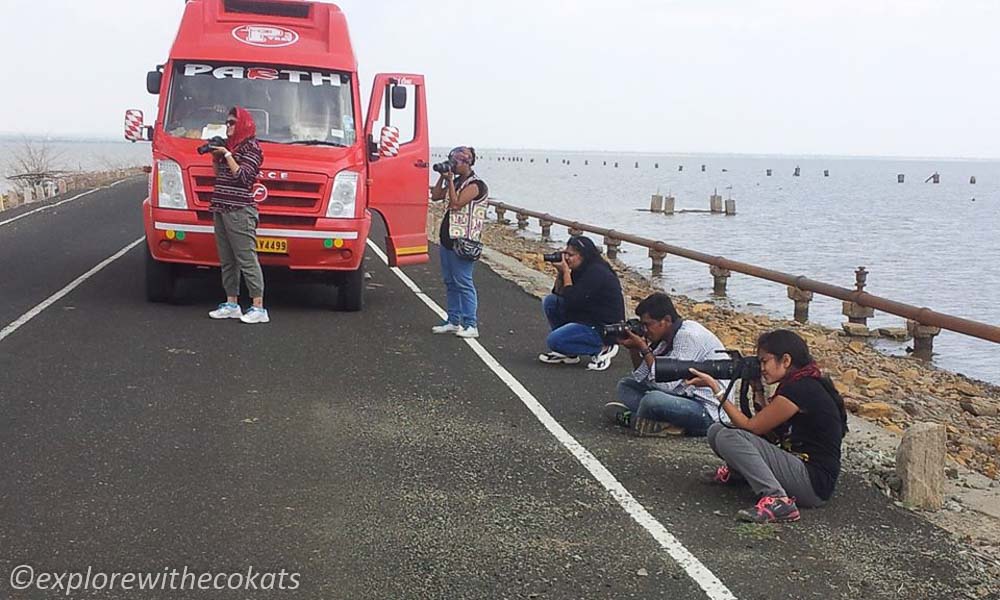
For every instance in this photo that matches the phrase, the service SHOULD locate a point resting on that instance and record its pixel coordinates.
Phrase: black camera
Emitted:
(619, 331)
(215, 142)
(444, 166)
(736, 366)
(553, 257)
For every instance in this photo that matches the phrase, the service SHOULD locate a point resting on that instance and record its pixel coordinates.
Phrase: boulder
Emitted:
(876, 410)
(980, 407)
(920, 465)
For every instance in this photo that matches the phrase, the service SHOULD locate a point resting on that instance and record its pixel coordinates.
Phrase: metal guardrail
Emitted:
(922, 323)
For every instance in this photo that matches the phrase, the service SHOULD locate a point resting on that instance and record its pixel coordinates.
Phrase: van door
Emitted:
(398, 168)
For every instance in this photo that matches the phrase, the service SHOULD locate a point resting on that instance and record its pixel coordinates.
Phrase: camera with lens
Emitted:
(736, 366)
(445, 166)
(620, 330)
(215, 142)
(553, 257)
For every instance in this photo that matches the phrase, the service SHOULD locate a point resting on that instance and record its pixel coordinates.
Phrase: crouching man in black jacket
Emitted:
(586, 295)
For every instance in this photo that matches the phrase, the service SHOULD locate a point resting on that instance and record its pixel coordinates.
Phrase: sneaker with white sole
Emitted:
(227, 310)
(651, 428)
(255, 315)
(618, 414)
(446, 328)
(558, 358)
(602, 361)
(468, 332)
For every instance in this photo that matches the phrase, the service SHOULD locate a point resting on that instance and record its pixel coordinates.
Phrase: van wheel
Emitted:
(160, 279)
(351, 290)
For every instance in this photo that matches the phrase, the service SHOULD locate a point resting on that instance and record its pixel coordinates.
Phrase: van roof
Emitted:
(283, 32)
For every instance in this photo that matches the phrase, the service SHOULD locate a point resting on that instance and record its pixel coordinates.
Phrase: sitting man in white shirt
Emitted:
(669, 408)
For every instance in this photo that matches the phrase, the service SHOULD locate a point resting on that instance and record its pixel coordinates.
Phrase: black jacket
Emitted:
(595, 298)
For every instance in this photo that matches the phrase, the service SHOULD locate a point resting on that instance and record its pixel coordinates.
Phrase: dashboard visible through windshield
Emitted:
(290, 105)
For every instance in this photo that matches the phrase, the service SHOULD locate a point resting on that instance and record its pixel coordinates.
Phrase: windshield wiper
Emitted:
(317, 143)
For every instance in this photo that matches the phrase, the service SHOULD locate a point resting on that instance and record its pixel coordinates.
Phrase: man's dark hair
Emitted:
(658, 306)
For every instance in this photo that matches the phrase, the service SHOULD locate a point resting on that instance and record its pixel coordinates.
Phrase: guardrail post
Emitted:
(574, 231)
(657, 258)
(522, 221)
(802, 298)
(720, 277)
(500, 213)
(546, 229)
(612, 245)
(923, 339)
(855, 312)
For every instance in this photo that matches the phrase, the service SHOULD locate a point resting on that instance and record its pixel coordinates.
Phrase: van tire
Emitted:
(160, 278)
(351, 290)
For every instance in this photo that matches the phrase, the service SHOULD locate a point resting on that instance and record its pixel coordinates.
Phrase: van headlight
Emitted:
(344, 195)
(170, 185)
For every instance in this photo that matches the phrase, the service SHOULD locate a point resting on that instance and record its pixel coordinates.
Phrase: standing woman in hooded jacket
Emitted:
(237, 165)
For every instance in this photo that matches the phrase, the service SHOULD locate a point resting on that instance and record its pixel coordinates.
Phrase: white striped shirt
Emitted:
(691, 342)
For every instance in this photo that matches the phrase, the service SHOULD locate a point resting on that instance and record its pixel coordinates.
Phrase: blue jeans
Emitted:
(648, 402)
(569, 338)
(461, 290)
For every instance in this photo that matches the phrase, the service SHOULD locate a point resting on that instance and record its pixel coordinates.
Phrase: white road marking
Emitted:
(705, 579)
(60, 203)
(34, 312)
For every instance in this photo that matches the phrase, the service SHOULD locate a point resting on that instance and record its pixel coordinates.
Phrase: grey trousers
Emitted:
(236, 241)
(768, 469)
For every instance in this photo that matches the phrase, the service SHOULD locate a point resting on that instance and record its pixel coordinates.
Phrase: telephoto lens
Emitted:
(553, 257)
(668, 369)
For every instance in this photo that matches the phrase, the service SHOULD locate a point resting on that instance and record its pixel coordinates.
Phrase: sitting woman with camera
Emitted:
(805, 417)
(237, 164)
(586, 296)
(460, 235)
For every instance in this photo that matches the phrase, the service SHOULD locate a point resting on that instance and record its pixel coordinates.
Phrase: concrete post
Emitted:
(730, 207)
(720, 277)
(522, 221)
(668, 205)
(923, 339)
(574, 231)
(856, 313)
(500, 214)
(62, 187)
(715, 203)
(657, 258)
(802, 298)
(39, 192)
(27, 195)
(612, 246)
(656, 203)
(546, 230)
(920, 465)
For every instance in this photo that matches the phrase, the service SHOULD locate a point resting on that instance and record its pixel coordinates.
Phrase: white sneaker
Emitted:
(227, 310)
(557, 358)
(468, 332)
(255, 315)
(446, 328)
(603, 360)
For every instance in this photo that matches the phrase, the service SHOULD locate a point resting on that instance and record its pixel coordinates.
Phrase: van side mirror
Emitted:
(153, 81)
(134, 126)
(398, 96)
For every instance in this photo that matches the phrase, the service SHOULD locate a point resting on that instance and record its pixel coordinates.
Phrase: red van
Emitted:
(326, 169)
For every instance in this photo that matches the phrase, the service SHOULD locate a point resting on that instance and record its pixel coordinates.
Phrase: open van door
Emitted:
(398, 176)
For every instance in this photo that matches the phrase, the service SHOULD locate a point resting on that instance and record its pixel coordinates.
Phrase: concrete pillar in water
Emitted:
(586, 162)
(637, 165)
(769, 172)
(522, 221)
(797, 172)
(657, 258)
(546, 230)
(923, 339)
(715, 202)
(656, 165)
(826, 172)
(702, 168)
(730, 207)
(612, 246)
(972, 180)
(720, 277)
(680, 167)
(656, 203)
(802, 298)
(616, 165)
(900, 178)
(668, 205)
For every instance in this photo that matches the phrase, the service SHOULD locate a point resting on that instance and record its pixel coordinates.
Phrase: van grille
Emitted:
(297, 10)
(299, 194)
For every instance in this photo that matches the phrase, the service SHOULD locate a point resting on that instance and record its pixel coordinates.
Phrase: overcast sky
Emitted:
(852, 77)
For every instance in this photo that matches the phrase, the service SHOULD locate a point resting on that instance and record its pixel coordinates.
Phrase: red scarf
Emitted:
(810, 370)
(245, 128)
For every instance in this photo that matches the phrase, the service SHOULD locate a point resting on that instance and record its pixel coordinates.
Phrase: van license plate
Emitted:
(272, 245)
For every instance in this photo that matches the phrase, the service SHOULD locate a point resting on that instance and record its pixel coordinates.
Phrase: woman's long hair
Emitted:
(589, 251)
(782, 341)
(245, 128)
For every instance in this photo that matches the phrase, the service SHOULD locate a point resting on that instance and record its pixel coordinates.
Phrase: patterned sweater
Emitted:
(233, 192)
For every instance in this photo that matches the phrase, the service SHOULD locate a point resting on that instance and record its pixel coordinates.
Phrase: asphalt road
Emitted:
(363, 455)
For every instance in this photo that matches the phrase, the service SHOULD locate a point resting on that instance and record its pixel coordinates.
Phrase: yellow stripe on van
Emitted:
(411, 250)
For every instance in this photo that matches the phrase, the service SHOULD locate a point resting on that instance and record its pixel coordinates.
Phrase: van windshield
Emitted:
(290, 105)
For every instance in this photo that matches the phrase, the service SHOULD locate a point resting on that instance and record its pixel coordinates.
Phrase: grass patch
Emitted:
(753, 531)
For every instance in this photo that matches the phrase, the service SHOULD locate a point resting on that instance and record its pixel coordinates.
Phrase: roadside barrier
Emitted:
(922, 323)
